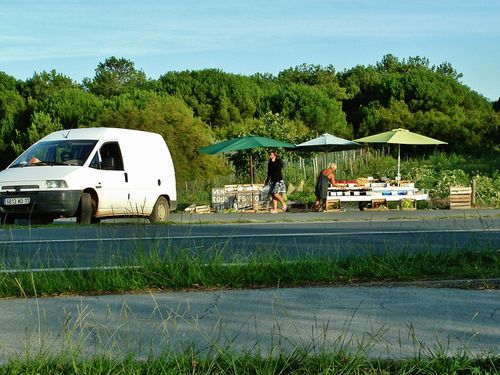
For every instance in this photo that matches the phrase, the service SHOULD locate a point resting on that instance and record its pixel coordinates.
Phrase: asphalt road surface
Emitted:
(114, 243)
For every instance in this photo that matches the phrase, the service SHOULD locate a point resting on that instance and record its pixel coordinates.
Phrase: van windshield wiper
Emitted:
(47, 163)
(40, 163)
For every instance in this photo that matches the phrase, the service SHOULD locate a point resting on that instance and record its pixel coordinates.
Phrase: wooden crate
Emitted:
(377, 205)
(408, 204)
(460, 197)
(333, 205)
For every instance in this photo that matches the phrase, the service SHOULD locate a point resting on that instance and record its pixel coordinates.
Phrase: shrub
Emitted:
(487, 191)
(302, 197)
(447, 178)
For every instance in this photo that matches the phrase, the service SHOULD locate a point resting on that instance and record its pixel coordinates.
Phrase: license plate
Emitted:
(16, 201)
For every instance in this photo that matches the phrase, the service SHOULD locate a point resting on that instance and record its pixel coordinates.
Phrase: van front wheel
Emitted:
(84, 214)
(161, 211)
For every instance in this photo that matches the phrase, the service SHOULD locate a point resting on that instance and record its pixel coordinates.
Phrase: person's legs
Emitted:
(277, 197)
(324, 204)
(317, 204)
(275, 202)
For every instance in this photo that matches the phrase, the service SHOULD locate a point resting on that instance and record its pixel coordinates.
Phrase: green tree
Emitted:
(170, 117)
(410, 94)
(72, 107)
(496, 105)
(217, 98)
(42, 86)
(12, 116)
(311, 106)
(41, 125)
(115, 76)
(37, 89)
(447, 70)
(324, 78)
(377, 118)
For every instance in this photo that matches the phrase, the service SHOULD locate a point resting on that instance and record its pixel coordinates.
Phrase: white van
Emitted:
(90, 173)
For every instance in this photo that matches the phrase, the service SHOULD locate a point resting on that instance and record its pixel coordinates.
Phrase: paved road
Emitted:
(381, 321)
(291, 235)
(348, 215)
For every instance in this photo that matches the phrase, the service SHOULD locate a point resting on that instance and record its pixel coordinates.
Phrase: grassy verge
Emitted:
(184, 270)
(296, 362)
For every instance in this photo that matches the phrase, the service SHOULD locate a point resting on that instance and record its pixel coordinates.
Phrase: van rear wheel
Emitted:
(161, 211)
(84, 215)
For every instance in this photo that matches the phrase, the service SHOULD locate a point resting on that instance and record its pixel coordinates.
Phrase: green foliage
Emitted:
(488, 190)
(43, 85)
(315, 75)
(73, 107)
(217, 98)
(310, 105)
(272, 125)
(412, 95)
(284, 357)
(302, 197)
(115, 76)
(12, 116)
(41, 125)
(446, 179)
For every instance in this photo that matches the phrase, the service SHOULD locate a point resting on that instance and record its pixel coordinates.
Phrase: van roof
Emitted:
(94, 133)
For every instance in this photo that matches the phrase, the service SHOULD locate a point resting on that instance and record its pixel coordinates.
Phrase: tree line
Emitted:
(192, 109)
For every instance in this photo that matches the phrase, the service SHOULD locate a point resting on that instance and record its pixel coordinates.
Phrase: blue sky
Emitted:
(246, 37)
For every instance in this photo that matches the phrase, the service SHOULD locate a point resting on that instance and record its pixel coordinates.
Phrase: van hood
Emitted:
(35, 176)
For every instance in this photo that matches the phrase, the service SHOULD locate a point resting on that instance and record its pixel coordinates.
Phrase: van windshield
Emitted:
(59, 152)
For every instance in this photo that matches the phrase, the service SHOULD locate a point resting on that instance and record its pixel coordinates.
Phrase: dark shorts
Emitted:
(276, 187)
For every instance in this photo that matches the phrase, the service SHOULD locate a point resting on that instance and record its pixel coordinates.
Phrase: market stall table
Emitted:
(374, 195)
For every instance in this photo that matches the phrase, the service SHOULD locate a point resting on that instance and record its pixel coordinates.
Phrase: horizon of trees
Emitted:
(192, 109)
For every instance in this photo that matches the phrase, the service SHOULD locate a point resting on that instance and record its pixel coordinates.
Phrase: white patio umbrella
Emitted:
(327, 143)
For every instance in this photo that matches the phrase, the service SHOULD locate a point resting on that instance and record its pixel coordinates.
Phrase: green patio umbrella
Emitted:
(248, 142)
(400, 137)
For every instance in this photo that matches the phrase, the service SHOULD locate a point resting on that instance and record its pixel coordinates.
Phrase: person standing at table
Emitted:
(275, 180)
(325, 178)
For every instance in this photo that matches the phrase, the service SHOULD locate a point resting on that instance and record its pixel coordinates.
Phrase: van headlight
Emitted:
(55, 184)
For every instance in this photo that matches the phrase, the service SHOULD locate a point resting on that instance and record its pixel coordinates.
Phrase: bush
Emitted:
(302, 197)
(447, 178)
(488, 191)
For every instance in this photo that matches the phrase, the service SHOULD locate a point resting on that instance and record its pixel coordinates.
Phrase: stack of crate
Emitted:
(460, 197)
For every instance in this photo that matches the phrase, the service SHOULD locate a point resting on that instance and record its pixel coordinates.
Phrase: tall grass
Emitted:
(215, 269)
(297, 362)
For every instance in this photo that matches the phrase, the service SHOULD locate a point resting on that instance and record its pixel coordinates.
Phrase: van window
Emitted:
(109, 157)
(56, 152)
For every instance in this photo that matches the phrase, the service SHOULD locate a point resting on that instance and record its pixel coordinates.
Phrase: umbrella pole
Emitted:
(399, 163)
(251, 169)
(251, 178)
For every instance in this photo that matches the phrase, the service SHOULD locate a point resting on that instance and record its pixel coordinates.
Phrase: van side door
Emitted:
(111, 181)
